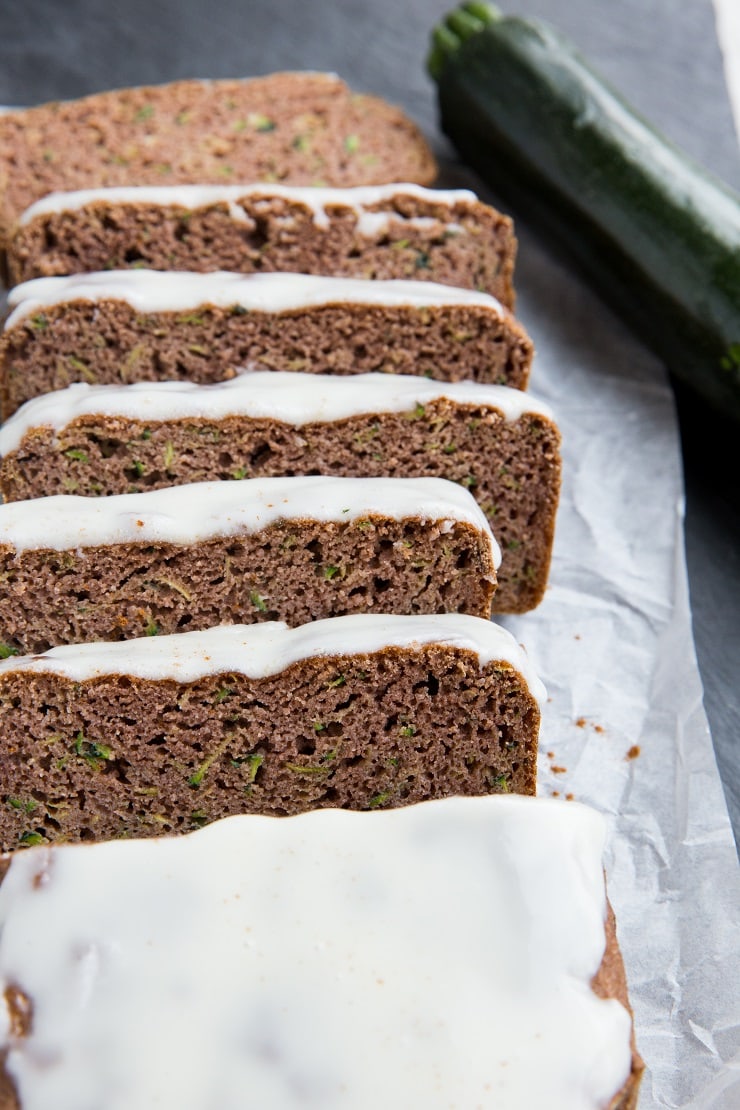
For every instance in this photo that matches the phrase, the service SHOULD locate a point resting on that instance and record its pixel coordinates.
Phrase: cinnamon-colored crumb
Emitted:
(19, 1010)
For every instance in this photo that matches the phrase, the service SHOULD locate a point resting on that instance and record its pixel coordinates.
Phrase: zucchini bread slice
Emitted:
(385, 231)
(166, 733)
(194, 556)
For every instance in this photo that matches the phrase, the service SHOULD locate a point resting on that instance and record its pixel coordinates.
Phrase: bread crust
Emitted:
(610, 981)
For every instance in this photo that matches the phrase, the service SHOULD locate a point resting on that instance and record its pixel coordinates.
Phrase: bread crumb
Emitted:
(20, 1011)
(633, 752)
(556, 794)
(558, 770)
(570, 797)
(583, 722)
(551, 755)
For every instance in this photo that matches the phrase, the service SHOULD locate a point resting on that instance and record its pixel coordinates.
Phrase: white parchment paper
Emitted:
(624, 728)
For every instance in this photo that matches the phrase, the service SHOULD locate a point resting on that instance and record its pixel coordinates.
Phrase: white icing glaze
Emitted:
(155, 291)
(292, 398)
(434, 956)
(266, 649)
(190, 197)
(192, 513)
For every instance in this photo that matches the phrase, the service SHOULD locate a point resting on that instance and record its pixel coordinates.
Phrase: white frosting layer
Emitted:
(203, 510)
(266, 649)
(317, 200)
(435, 956)
(292, 398)
(149, 291)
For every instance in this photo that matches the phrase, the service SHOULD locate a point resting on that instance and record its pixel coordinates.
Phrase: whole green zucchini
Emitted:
(657, 236)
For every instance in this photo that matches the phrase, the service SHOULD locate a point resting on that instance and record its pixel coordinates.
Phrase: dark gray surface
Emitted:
(664, 56)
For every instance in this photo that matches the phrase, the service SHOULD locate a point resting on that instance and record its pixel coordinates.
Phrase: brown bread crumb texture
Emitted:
(108, 342)
(297, 128)
(276, 235)
(610, 981)
(512, 468)
(119, 756)
(296, 571)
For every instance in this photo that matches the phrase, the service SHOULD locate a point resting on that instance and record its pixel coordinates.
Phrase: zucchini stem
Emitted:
(464, 24)
(485, 13)
(458, 26)
(444, 45)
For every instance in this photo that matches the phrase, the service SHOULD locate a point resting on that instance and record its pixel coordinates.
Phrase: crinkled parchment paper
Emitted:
(624, 728)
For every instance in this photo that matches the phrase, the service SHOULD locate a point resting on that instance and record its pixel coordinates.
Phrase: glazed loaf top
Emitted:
(192, 513)
(267, 649)
(442, 952)
(151, 291)
(362, 200)
(292, 398)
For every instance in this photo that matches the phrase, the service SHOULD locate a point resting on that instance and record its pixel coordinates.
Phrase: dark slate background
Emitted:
(663, 55)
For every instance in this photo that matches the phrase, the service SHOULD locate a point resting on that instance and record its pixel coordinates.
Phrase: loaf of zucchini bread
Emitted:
(381, 231)
(165, 733)
(460, 952)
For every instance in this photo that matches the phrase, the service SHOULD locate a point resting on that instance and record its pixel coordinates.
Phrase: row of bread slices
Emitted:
(338, 404)
(362, 516)
(349, 493)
